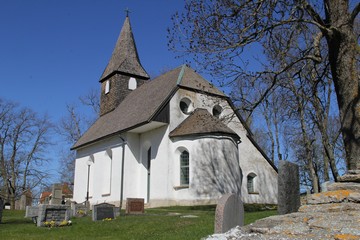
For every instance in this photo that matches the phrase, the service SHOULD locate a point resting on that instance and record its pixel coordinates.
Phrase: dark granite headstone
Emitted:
(288, 187)
(134, 206)
(229, 213)
(102, 211)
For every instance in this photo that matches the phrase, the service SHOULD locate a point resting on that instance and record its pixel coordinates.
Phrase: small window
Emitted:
(217, 111)
(132, 83)
(184, 168)
(251, 183)
(107, 87)
(185, 105)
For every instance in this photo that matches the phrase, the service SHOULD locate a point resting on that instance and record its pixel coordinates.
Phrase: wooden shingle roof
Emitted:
(201, 122)
(125, 58)
(142, 105)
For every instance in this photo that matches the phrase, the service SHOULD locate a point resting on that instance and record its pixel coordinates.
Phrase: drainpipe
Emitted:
(122, 173)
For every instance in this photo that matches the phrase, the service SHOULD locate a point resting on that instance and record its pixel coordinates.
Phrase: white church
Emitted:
(172, 140)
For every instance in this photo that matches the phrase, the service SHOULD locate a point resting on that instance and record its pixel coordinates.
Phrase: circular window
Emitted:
(217, 111)
(185, 105)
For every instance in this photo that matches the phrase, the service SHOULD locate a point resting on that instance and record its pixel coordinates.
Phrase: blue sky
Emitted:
(54, 51)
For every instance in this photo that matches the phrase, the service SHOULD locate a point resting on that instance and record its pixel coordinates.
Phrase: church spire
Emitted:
(125, 58)
(123, 73)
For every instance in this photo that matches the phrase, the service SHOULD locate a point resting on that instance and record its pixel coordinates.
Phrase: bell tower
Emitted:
(124, 72)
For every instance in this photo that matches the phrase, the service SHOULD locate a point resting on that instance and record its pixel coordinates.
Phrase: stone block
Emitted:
(288, 187)
(344, 186)
(134, 206)
(229, 213)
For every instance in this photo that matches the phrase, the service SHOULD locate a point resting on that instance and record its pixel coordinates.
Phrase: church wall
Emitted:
(251, 160)
(99, 171)
(214, 168)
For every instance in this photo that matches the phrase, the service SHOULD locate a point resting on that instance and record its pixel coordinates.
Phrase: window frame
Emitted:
(250, 183)
(184, 168)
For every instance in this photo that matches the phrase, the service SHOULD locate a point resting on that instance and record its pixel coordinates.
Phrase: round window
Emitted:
(217, 111)
(185, 105)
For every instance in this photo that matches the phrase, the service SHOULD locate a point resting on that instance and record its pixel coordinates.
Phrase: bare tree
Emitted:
(217, 32)
(24, 137)
(72, 126)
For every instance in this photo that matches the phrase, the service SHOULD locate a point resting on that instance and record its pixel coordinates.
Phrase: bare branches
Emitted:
(24, 136)
(355, 12)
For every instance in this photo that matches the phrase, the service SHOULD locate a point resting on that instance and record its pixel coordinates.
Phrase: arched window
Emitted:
(132, 83)
(107, 87)
(184, 168)
(251, 182)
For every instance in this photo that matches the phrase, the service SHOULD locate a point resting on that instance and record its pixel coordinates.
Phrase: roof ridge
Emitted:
(181, 74)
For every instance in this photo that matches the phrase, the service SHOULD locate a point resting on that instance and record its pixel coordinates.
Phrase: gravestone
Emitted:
(134, 206)
(25, 200)
(56, 213)
(1, 208)
(102, 211)
(79, 210)
(229, 213)
(32, 212)
(288, 188)
(56, 194)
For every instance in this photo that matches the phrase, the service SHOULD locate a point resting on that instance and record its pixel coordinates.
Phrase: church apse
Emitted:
(216, 169)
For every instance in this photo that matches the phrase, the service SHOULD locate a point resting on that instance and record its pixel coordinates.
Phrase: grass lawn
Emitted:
(157, 223)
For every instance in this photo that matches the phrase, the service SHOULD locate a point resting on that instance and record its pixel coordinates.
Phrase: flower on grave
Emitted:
(107, 219)
(50, 224)
(81, 212)
(65, 223)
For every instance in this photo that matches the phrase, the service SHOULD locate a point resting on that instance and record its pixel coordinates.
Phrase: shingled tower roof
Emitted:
(125, 58)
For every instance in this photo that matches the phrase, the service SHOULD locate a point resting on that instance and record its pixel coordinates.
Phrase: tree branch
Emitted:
(355, 12)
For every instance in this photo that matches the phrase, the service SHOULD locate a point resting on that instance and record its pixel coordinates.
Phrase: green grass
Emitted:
(159, 223)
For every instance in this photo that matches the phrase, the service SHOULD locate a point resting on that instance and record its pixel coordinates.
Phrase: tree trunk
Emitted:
(343, 50)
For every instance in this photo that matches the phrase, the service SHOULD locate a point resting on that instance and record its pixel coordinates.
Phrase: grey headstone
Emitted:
(79, 210)
(31, 211)
(25, 200)
(56, 193)
(57, 213)
(288, 187)
(102, 211)
(229, 213)
(324, 186)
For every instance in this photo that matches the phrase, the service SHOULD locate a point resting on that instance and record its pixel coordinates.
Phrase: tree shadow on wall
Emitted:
(216, 169)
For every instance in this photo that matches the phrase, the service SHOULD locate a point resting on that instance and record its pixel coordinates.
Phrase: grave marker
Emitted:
(288, 187)
(102, 211)
(56, 213)
(134, 206)
(229, 213)
(56, 193)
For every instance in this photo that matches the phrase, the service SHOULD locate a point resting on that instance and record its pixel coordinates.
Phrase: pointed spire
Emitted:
(125, 58)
